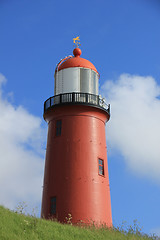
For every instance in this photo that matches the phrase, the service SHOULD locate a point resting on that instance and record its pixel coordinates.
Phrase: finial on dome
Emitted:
(77, 52)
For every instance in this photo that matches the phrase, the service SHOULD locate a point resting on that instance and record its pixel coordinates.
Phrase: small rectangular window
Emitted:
(58, 127)
(101, 167)
(53, 206)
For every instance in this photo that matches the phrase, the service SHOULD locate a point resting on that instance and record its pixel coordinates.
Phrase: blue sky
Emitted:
(121, 38)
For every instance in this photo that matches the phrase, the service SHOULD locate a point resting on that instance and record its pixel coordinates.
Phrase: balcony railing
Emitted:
(77, 98)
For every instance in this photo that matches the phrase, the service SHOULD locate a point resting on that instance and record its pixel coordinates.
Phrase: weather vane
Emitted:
(76, 41)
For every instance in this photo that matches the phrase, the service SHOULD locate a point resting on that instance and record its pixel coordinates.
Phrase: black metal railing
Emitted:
(77, 98)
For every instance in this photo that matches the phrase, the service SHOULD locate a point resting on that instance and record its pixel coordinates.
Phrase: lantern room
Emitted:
(76, 81)
(76, 74)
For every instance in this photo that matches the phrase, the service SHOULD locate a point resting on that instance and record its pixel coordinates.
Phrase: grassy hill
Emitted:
(14, 226)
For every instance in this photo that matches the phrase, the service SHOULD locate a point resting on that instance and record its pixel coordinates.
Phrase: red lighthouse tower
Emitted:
(76, 178)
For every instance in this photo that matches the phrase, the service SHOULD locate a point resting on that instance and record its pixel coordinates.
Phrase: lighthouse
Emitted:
(76, 181)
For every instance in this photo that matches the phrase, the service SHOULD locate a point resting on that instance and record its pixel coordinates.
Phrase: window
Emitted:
(53, 206)
(58, 127)
(101, 167)
(85, 76)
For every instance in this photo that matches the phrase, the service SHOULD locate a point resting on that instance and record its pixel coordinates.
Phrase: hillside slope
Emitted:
(15, 226)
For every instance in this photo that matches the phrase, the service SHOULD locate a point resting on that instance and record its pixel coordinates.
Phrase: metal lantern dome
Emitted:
(76, 74)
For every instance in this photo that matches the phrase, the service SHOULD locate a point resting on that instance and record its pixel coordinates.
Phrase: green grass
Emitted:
(14, 226)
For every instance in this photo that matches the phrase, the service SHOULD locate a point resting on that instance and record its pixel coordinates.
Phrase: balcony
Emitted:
(77, 98)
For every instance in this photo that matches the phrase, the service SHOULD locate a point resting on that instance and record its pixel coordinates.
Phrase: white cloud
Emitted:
(21, 154)
(134, 127)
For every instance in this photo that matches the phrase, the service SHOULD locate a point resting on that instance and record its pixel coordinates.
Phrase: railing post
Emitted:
(60, 98)
(98, 101)
(86, 97)
(109, 109)
(73, 97)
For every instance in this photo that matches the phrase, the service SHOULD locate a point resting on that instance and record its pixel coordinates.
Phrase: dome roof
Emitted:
(76, 61)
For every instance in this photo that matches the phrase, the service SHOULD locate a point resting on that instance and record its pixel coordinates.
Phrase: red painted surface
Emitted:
(76, 61)
(77, 52)
(71, 167)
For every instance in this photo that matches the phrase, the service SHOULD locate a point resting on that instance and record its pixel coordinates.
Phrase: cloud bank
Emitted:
(134, 128)
(21, 154)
